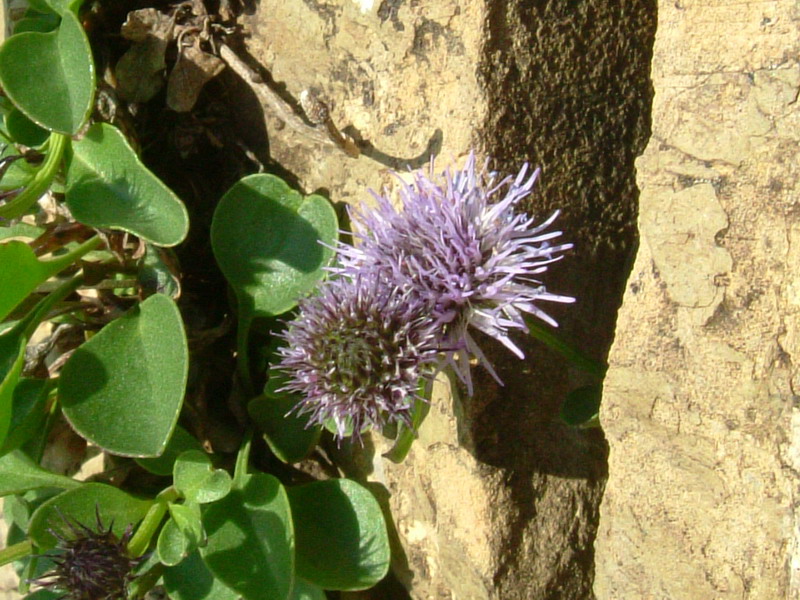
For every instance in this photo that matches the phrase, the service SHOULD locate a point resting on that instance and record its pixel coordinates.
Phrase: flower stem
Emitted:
(152, 520)
(41, 180)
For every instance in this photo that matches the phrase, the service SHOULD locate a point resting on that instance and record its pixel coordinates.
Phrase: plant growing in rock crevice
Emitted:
(96, 331)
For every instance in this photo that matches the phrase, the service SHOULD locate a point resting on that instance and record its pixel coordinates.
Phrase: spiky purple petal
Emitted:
(356, 353)
(465, 252)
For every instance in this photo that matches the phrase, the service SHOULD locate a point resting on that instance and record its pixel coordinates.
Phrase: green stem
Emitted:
(62, 261)
(41, 180)
(15, 552)
(572, 354)
(151, 522)
(31, 321)
(243, 353)
(242, 460)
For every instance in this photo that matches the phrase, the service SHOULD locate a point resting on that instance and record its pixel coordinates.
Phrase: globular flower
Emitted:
(465, 251)
(356, 353)
(90, 564)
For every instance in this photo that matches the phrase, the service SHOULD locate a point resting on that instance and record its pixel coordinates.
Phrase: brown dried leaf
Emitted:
(147, 22)
(140, 71)
(192, 71)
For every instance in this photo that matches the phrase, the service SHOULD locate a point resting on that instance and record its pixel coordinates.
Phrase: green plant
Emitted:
(96, 262)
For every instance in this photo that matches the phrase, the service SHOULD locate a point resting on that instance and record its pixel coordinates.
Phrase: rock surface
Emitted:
(497, 499)
(700, 406)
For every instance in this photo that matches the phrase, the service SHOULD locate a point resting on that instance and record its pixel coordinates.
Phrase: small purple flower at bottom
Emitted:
(357, 352)
(465, 252)
(90, 564)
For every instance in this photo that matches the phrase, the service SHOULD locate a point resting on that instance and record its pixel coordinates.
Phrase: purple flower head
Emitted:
(90, 563)
(465, 252)
(357, 351)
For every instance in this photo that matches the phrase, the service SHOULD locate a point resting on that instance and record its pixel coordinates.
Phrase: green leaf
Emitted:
(22, 272)
(250, 539)
(287, 436)
(20, 229)
(197, 480)
(12, 349)
(41, 180)
(340, 535)
(28, 412)
(123, 389)
(162, 465)
(50, 76)
(60, 6)
(191, 580)
(173, 545)
(266, 239)
(43, 23)
(582, 406)
(108, 186)
(18, 474)
(24, 131)
(12, 359)
(117, 510)
(187, 518)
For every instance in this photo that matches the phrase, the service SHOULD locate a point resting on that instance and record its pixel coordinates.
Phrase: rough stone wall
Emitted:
(497, 499)
(700, 406)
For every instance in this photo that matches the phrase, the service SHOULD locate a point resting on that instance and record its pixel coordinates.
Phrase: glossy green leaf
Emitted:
(43, 23)
(187, 518)
(192, 580)
(50, 76)
(117, 510)
(41, 180)
(173, 545)
(340, 535)
(197, 480)
(59, 6)
(12, 360)
(24, 131)
(180, 441)
(12, 349)
(250, 539)
(108, 186)
(123, 389)
(287, 436)
(22, 272)
(27, 414)
(18, 474)
(266, 239)
(582, 406)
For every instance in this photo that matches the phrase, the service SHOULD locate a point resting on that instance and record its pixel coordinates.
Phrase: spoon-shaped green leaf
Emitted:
(50, 76)
(19, 474)
(12, 348)
(123, 389)
(117, 510)
(21, 272)
(340, 535)
(191, 580)
(108, 186)
(266, 238)
(250, 539)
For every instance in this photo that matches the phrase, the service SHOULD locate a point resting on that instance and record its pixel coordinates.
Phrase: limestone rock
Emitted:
(497, 499)
(700, 408)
